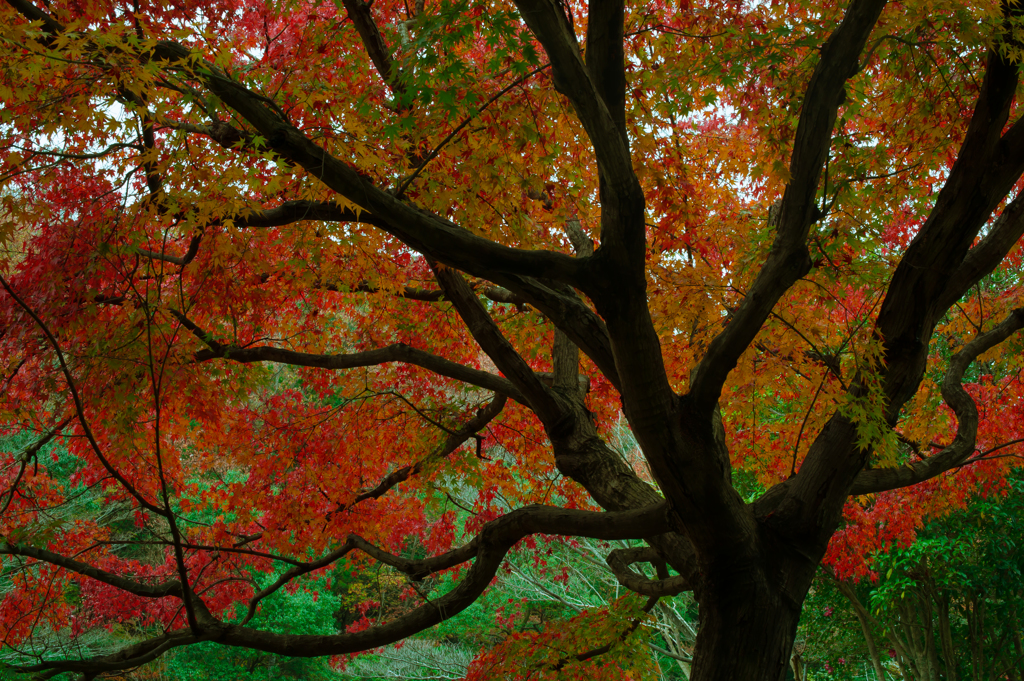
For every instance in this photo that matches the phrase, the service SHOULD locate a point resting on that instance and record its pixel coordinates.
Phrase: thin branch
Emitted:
(803, 424)
(79, 407)
(29, 453)
(455, 440)
(400, 191)
(398, 352)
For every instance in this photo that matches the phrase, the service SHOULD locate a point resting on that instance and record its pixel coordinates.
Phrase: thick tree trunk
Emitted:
(746, 631)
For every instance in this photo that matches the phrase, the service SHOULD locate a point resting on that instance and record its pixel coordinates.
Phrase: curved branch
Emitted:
(398, 352)
(297, 571)
(601, 650)
(987, 166)
(454, 441)
(620, 560)
(488, 549)
(296, 211)
(962, 404)
(426, 295)
(182, 260)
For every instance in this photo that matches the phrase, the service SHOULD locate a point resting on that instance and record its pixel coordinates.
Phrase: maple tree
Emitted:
(293, 281)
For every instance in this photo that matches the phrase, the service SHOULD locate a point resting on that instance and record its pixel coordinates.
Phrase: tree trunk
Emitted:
(948, 651)
(916, 647)
(746, 632)
(1019, 649)
(928, 625)
(975, 612)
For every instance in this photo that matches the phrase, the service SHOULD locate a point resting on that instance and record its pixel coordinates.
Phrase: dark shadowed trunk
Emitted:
(746, 631)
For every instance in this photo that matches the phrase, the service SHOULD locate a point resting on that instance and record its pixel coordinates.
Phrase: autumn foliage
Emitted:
(294, 285)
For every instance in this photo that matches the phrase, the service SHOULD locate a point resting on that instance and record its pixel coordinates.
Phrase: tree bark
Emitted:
(749, 642)
(747, 624)
(975, 612)
(946, 635)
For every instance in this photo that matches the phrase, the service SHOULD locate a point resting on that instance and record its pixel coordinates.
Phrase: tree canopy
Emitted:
(299, 285)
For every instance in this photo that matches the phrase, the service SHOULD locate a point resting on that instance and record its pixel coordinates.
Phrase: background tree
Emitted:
(949, 605)
(291, 277)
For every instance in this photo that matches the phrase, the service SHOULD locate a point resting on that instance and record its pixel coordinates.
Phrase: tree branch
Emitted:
(563, 307)
(962, 404)
(921, 289)
(425, 232)
(495, 293)
(182, 260)
(297, 571)
(29, 453)
(601, 650)
(497, 347)
(620, 192)
(126, 658)
(380, 54)
(986, 255)
(399, 352)
(565, 355)
(788, 259)
(606, 57)
(620, 560)
(455, 440)
(132, 586)
(488, 548)
(79, 406)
